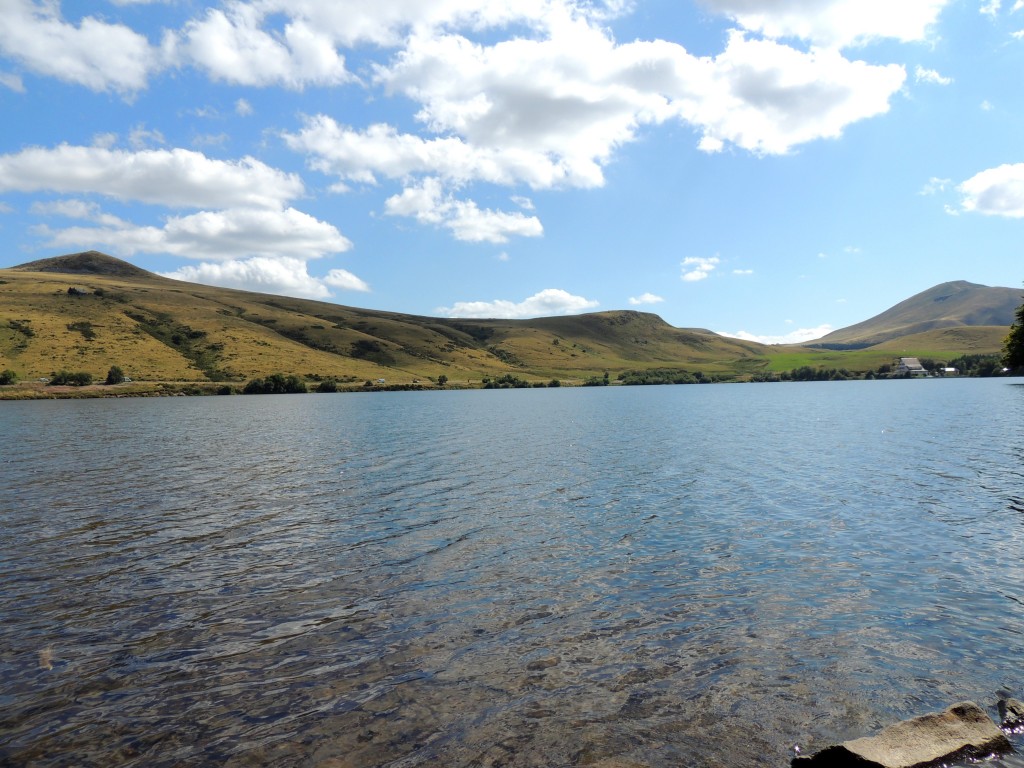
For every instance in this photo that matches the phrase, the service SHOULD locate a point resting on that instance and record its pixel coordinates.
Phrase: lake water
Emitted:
(667, 576)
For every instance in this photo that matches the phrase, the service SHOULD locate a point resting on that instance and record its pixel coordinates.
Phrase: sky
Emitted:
(766, 169)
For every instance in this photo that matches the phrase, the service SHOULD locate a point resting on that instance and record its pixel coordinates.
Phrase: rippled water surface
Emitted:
(666, 576)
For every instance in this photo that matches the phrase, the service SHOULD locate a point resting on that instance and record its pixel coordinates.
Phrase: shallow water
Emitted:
(696, 576)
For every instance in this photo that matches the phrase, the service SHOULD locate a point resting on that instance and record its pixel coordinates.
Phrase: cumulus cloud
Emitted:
(429, 204)
(280, 275)
(342, 278)
(645, 298)
(363, 156)
(799, 336)
(834, 23)
(93, 53)
(176, 177)
(768, 98)
(231, 45)
(696, 268)
(217, 235)
(546, 303)
(995, 192)
(743, 271)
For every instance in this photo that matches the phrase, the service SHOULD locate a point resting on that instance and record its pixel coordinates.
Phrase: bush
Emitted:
(67, 379)
(8, 377)
(275, 384)
(327, 385)
(115, 375)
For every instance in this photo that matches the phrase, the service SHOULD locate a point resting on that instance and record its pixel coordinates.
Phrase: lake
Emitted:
(666, 576)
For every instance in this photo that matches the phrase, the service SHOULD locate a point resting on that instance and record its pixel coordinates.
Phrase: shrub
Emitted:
(68, 379)
(327, 385)
(275, 384)
(8, 377)
(115, 375)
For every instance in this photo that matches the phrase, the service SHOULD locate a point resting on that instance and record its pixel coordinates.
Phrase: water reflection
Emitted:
(689, 575)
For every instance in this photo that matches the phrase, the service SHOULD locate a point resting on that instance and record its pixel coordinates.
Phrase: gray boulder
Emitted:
(963, 731)
(1011, 713)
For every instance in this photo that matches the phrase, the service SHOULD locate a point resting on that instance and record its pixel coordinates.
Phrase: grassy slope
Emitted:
(948, 305)
(160, 329)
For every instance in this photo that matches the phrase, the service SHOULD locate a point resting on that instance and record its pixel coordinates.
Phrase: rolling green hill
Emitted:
(89, 311)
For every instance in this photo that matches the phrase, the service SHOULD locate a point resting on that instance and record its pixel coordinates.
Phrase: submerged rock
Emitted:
(959, 732)
(1011, 713)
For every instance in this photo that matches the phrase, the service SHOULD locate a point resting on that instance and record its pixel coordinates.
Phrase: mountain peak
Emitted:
(85, 263)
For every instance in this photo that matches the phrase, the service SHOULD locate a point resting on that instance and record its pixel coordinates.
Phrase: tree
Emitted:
(442, 380)
(1013, 347)
(115, 375)
(8, 377)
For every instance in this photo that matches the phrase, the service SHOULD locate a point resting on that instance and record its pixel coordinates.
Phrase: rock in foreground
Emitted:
(1012, 713)
(963, 731)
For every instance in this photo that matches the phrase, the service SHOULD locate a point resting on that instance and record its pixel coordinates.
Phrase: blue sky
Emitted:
(771, 169)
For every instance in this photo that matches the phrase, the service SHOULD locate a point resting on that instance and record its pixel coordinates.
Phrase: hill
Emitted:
(948, 305)
(85, 263)
(89, 311)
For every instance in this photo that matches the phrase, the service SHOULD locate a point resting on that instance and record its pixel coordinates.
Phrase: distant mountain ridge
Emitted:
(948, 305)
(88, 311)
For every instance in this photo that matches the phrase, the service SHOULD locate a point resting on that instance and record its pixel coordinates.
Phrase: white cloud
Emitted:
(995, 192)
(695, 268)
(645, 298)
(1017, 6)
(243, 108)
(231, 45)
(835, 23)
(427, 203)
(380, 150)
(76, 209)
(342, 278)
(991, 7)
(743, 271)
(768, 98)
(94, 54)
(217, 235)
(923, 75)
(141, 137)
(935, 185)
(177, 177)
(1018, 35)
(278, 275)
(547, 303)
(799, 336)
(549, 109)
